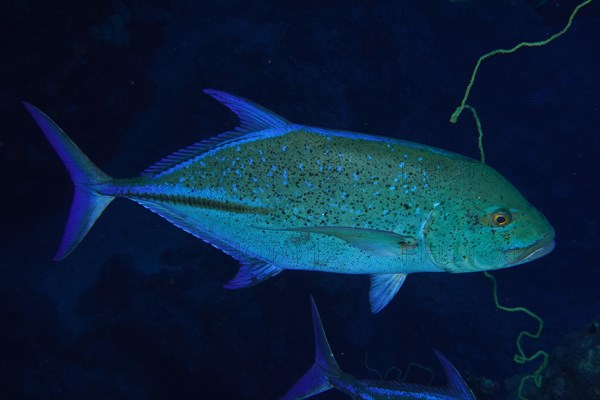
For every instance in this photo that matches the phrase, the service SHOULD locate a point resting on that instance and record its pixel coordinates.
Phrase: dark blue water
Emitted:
(138, 310)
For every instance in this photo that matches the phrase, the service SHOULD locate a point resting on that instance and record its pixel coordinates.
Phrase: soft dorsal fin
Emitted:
(252, 117)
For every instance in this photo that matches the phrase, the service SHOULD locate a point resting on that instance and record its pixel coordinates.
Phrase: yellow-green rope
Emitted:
(459, 109)
(520, 357)
(400, 376)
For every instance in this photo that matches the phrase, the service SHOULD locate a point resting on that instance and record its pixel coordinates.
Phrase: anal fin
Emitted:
(252, 272)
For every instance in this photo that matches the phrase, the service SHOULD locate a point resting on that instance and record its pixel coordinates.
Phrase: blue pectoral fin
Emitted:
(456, 385)
(383, 289)
(372, 241)
(87, 204)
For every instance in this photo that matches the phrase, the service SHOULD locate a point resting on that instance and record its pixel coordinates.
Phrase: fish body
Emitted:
(326, 374)
(277, 195)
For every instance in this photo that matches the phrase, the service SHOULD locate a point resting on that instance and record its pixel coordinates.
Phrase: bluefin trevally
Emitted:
(326, 374)
(276, 195)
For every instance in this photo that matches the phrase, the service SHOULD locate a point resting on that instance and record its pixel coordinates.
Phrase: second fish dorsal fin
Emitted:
(456, 386)
(252, 117)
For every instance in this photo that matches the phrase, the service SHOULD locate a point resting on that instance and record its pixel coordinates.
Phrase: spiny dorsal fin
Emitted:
(252, 117)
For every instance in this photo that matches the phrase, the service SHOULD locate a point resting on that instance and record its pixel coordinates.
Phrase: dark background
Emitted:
(138, 310)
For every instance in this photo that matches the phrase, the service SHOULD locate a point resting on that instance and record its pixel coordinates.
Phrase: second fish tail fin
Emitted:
(88, 203)
(317, 379)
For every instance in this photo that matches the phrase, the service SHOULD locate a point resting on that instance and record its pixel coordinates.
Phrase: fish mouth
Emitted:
(537, 250)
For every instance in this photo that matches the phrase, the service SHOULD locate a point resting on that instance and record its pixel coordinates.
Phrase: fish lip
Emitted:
(529, 253)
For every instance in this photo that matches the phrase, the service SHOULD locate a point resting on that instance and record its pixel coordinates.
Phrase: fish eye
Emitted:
(501, 218)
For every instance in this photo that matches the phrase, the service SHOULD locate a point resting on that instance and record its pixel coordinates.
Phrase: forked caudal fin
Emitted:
(325, 374)
(316, 379)
(87, 204)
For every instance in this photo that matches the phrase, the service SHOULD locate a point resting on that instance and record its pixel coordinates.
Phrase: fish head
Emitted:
(485, 224)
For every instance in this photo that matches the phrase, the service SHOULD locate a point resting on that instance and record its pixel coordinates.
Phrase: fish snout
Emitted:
(532, 252)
